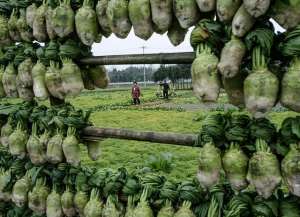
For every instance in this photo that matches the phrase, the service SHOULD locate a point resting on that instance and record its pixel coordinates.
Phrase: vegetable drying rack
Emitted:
(95, 134)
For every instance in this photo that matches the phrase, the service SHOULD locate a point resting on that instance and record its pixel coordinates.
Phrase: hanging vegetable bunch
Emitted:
(290, 48)
(63, 189)
(261, 87)
(284, 13)
(206, 40)
(54, 136)
(249, 152)
(86, 24)
(264, 171)
(30, 71)
(140, 17)
(225, 129)
(186, 12)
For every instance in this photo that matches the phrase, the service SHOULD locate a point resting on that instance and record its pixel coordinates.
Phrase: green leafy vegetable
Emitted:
(86, 24)
(264, 172)
(118, 17)
(140, 17)
(186, 12)
(291, 169)
(235, 164)
(209, 166)
(162, 15)
(63, 19)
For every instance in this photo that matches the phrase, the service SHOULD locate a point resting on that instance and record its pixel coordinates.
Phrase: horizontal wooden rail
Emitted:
(93, 133)
(157, 58)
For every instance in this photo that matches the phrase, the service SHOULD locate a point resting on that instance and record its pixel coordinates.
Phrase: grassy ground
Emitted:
(114, 109)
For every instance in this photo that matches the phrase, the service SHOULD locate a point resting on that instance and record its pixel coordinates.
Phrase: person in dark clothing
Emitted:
(136, 93)
(166, 89)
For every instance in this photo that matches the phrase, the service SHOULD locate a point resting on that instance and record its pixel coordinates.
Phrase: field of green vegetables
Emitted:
(112, 108)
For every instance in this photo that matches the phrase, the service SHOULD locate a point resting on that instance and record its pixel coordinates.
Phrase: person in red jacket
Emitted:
(136, 93)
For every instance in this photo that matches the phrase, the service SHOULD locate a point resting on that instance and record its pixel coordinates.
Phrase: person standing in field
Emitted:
(136, 93)
(166, 89)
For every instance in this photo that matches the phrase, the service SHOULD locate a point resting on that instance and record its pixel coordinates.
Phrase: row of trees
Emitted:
(180, 75)
(130, 74)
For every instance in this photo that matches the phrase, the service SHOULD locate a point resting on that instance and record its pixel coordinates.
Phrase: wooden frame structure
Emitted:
(134, 59)
(95, 134)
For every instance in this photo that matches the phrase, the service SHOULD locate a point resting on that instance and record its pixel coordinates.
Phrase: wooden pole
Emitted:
(93, 133)
(158, 58)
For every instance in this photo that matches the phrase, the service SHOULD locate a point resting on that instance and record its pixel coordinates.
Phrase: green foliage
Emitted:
(160, 162)
(130, 74)
(174, 73)
(291, 44)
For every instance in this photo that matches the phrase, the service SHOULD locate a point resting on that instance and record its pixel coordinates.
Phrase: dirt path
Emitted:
(189, 106)
(196, 107)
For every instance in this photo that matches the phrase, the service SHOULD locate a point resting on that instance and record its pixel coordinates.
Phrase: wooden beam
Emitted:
(158, 58)
(93, 133)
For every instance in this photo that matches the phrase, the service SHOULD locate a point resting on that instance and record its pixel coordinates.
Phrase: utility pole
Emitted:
(144, 47)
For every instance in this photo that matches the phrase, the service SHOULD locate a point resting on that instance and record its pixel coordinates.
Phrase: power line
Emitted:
(144, 47)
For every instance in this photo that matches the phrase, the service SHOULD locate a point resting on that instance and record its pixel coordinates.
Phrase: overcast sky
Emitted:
(132, 45)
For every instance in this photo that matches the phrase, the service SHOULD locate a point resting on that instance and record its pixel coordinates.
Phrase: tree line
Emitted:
(178, 74)
(131, 74)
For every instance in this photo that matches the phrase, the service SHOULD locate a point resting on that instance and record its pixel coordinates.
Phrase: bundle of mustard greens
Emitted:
(176, 33)
(162, 15)
(140, 17)
(257, 8)
(225, 129)
(286, 13)
(42, 20)
(39, 23)
(63, 19)
(209, 166)
(186, 12)
(118, 17)
(205, 38)
(54, 137)
(169, 195)
(12, 26)
(290, 48)
(86, 24)
(235, 165)
(189, 194)
(289, 133)
(226, 9)
(242, 22)
(62, 190)
(261, 87)
(233, 69)
(103, 17)
(264, 170)
(31, 71)
(291, 169)
(4, 36)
